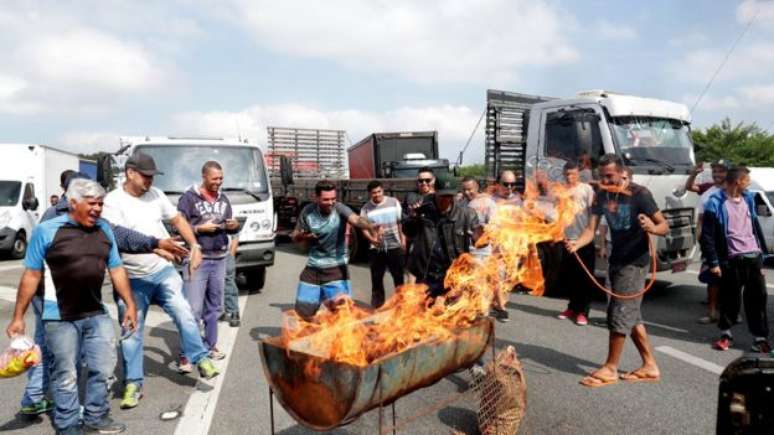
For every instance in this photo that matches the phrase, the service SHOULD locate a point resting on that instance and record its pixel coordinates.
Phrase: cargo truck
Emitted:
(30, 177)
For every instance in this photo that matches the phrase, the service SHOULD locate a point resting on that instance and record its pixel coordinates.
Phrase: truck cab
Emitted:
(530, 133)
(762, 186)
(245, 182)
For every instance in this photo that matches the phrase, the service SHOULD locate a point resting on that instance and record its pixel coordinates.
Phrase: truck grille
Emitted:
(679, 217)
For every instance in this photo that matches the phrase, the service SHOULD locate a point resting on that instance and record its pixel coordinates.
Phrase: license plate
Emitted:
(679, 267)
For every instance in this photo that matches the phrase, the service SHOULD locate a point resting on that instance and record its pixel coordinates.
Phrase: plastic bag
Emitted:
(20, 355)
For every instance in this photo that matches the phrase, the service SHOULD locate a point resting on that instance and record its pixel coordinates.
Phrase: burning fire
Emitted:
(358, 336)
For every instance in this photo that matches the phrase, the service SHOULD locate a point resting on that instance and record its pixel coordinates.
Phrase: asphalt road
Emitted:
(556, 355)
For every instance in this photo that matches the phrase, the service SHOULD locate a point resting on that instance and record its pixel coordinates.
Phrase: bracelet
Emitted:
(196, 246)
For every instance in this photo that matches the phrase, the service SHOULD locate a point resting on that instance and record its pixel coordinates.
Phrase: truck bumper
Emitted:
(252, 254)
(7, 237)
(678, 247)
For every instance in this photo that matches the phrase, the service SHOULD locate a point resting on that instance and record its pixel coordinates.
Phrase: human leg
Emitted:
(34, 398)
(170, 297)
(64, 341)
(230, 290)
(378, 266)
(755, 298)
(99, 350)
(730, 297)
(213, 298)
(396, 263)
(194, 287)
(132, 345)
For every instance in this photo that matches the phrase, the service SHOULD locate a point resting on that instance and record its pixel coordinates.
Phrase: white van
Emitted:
(29, 177)
(763, 187)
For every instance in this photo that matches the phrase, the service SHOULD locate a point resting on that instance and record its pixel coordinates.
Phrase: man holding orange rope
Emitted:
(631, 214)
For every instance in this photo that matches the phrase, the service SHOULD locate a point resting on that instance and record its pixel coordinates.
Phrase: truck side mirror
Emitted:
(763, 210)
(456, 171)
(104, 171)
(30, 204)
(286, 170)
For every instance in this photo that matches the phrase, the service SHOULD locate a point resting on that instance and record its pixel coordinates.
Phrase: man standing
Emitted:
(425, 186)
(209, 212)
(632, 216)
(76, 248)
(572, 275)
(732, 244)
(140, 206)
(442, 230)
(386, 250)
(322, 226)
(719, 172)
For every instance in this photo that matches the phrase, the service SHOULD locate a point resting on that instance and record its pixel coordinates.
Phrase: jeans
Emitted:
(230, 290)
(381, 261)
(575, 279)
(38, 376)
(744, 272)
(204, 292)
(94, 340)
(163, 288)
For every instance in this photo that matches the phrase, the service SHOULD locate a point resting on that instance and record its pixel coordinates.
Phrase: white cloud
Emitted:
(616, 31)
(712, 103)
(764, 10)
(747, 61)
(454, 123)
(452, 41)
(89, 142)
(759, 94)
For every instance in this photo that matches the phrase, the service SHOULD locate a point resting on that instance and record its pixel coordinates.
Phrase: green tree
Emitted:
(478, 171)
(742, 143)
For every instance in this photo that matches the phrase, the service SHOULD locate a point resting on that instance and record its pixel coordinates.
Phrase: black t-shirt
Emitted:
(630, 241)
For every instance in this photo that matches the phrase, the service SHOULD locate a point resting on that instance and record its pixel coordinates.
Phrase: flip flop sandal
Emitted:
(634, 378)
(592, 381)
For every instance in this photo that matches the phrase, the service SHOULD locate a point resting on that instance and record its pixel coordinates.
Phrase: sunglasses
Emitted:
(424, 180)
(509, 185)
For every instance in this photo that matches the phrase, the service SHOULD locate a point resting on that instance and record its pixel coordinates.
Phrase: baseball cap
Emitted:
(446, 185)
(143, 164)
(722, 163)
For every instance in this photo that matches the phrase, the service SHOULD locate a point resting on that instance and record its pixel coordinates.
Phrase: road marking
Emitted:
(694, 272)
(668, 328)
(690, 359)
(198, 413)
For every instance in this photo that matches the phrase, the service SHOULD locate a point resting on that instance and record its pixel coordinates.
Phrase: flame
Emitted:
(358, 336)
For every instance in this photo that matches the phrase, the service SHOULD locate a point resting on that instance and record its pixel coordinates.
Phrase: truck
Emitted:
(245, 181)
(314, 153)
(31, 176)
(762, 186)
(393, 158)
(529, 133)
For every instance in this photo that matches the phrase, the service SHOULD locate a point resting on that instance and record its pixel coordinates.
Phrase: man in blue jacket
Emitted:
(732, 243)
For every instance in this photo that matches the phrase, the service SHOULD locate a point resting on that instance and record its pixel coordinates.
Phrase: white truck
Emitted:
(762, 185)
(526, 133)
(245, 182)
(29, 178)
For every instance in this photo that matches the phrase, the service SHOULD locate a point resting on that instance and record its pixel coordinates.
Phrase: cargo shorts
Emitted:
(625, 314)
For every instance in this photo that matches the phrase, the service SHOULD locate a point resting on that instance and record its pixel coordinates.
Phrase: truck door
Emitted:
(766, 218)
(571, 134)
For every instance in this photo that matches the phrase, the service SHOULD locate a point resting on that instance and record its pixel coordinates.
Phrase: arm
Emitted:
(586, 237)
(133, 242)
(655, 224)
(27, 286)
(709, 226)
(690, 182)
(361, 223)
(122, 287)
(185, 231)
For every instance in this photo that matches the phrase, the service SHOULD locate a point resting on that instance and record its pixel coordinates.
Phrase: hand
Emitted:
(232, 224)
(129, 322)
(195, 260)
(646, 223)
(572, 246)
(16, 327)
(696, 170)
(715, 271)
(207, 227)
(168, 255)
(233, 248)
(414, 207)
(171, 246)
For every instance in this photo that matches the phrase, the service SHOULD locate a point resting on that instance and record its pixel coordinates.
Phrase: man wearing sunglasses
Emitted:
(506, 188)
(413, 202)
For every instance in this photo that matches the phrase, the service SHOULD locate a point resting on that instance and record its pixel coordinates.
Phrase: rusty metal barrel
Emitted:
(335, 393)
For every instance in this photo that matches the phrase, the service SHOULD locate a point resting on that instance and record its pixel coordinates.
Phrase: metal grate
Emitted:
(314, 153)
(502, 393)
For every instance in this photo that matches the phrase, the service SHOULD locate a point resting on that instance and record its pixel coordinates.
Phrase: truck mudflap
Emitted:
(676, 250)
(251, 254)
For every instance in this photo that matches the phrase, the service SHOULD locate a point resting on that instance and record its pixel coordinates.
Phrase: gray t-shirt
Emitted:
(330, 248)
(485, 208)
(388, 214)
(583, 195)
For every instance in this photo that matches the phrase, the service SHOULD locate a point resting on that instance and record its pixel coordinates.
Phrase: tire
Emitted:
(19, 247)
(255, 279)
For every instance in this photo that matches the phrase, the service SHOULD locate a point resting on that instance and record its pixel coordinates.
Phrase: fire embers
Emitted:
(359, 336)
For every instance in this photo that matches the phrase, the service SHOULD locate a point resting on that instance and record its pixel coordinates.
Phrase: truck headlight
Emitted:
(265, 224)
(5, 218)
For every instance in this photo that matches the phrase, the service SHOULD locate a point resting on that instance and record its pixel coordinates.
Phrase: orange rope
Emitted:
(610, 292)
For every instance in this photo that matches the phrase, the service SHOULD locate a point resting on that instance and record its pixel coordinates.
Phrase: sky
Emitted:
(80, 74)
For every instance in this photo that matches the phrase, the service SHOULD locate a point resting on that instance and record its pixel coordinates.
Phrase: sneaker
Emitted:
(478, 370)
(566, 314)
(761, 346)
(105, 426)
(581, 320)
(501, 315)
(216, 355)
(184, 366)
(224, 317)
(72, 430)
(234, 320)
(37, 408)
(706, 320)
(132, 396)
(723, 344)
(207, 369)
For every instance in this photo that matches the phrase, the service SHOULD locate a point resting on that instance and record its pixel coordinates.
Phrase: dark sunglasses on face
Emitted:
(424, 180)
(509, 185)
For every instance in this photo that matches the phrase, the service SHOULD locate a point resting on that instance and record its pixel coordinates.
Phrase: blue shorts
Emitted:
(319, 286)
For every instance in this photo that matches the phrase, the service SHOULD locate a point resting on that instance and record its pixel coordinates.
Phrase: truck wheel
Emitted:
(255, 279)
(19, 247)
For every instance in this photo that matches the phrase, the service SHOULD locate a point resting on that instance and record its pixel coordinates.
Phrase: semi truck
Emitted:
(529, 133)
(245, 181)
(30, 177)
(393, 158)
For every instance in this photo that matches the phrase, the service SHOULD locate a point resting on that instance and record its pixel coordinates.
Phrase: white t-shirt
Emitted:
(144, 214)
(583, 195)
(704, 198)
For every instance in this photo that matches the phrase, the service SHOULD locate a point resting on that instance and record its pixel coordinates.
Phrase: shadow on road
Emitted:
(548, 358)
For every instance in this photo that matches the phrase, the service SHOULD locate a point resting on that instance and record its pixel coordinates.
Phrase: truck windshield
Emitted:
(9, 193)
(243, 167)
(653, 139)
(770, 195)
